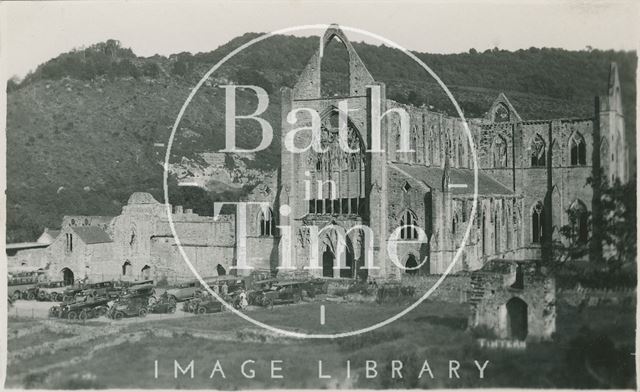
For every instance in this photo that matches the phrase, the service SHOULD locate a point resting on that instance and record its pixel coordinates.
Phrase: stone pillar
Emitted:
(376, 175)
(287, 180)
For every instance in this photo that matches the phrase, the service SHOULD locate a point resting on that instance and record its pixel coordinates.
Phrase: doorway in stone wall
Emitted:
(327, 263)
(67, 276)
(126, 268)
(410, 264)
(517, 320)
(220, 270)
(145, 273)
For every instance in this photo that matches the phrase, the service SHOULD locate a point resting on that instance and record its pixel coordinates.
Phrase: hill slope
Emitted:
(81, 129)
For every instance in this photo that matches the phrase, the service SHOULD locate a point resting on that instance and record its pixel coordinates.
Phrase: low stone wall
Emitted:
(453, 288)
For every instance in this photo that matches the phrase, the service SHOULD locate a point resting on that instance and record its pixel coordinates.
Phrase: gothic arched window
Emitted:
(267, 224)
(579, 218)
(538, 150)
(408, 219)
(499, 151)
(578, 150)
(353, 162)
(414, 145)
(537, 223)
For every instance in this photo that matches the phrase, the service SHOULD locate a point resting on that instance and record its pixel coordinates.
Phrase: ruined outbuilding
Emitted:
(513, 300)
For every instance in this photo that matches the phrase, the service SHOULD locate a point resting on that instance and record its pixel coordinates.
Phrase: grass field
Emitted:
(592, 349)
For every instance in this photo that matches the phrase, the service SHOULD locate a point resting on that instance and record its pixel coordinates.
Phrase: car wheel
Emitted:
(83, 315)
(118, 316)
(42, 296)
(59, 298)
(31, 296)
(142, 313)
(201, 310)
(16, 295)
(72, 315)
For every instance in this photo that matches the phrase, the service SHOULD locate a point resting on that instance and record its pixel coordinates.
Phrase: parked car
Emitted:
(108, 289)
(82, 308)
(51, 291)
(192, 289)
(234, 284)
(20, 283)
(259, 287)
(129, 306)
(281, 293)
(31, 293)
(206, 304)
(143, 289)
(183, 291)
(163, 305)
(69, 294)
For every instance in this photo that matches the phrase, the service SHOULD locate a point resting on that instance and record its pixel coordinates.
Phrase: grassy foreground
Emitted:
(592, 349)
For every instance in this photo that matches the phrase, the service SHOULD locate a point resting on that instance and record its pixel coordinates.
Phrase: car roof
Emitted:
(141, 286)
(289, 282)
(266, 280)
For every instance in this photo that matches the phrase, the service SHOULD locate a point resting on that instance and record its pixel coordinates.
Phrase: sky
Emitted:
(34, 32)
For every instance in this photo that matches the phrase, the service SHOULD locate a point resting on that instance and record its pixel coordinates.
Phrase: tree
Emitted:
(617, 265)
(151, 70)
(13, 83)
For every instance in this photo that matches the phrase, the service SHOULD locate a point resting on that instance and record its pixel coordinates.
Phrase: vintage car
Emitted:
(192, 289)
(69, 294)
(281, 293)
(82, 308)
(21, 283)
(31, 293)
(51, 291)
(108, 289)
(183, 291)
(228, 286)
(144, 289)
(162, 305)
(206, 304)
(259, 287)
(128, 306)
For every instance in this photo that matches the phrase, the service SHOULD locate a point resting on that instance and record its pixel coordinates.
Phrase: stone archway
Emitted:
(67, 276)
(410, 264)
(126, 268)
(328, 259)
(517, 319)
(145, 272)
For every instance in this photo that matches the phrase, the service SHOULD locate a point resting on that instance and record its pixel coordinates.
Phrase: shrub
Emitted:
(392, 292)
